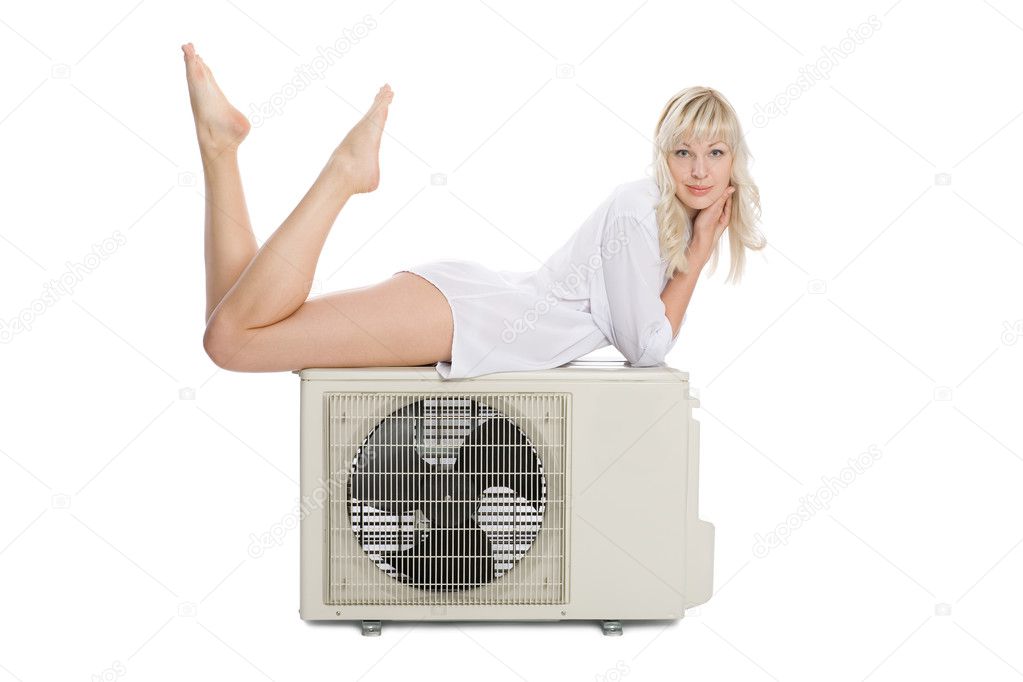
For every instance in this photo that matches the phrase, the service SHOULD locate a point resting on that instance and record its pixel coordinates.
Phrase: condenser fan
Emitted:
(446, 494)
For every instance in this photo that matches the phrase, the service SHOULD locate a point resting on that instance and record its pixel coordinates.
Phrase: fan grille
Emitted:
(446, 499)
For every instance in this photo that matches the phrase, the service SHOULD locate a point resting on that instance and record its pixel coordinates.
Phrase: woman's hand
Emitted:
(709, 225)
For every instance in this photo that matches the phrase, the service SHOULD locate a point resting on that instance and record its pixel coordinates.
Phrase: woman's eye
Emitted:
(714, 152)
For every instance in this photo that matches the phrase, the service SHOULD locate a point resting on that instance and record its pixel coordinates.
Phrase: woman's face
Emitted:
(702, 172)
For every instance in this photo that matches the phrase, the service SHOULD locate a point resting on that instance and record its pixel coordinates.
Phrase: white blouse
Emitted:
(601, 287)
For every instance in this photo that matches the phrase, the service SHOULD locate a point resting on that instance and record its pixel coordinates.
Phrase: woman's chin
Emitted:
(698, 203)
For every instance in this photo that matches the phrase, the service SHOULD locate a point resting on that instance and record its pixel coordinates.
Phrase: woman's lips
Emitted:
(698, 190)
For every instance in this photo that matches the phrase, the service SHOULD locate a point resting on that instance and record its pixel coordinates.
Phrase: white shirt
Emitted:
(625, 288)
(601, 287)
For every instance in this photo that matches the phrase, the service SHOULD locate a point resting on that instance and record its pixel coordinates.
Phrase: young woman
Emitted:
(624, 278)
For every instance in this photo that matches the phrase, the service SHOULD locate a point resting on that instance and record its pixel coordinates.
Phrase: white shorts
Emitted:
(504, 322)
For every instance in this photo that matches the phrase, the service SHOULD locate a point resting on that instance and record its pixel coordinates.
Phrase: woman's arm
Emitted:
(679, 291)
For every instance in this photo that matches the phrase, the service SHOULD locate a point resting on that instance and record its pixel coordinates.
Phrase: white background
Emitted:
(884, 316)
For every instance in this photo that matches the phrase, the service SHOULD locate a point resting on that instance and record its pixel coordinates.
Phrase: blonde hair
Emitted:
(703, 114)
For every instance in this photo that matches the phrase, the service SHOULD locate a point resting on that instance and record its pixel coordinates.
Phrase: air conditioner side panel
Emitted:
(700, 534)
(628, 500)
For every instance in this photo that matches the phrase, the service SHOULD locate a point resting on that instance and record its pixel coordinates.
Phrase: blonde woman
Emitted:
(624, 278)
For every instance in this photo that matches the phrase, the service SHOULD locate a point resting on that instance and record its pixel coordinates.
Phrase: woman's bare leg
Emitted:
(400, 322)
(258, 318)
(278, 279)
(230, 244)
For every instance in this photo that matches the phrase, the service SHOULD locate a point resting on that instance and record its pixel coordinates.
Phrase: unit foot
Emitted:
(611, 627)
(370, 628)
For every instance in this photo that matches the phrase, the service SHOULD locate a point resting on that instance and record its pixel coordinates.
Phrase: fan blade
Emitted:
(499, 454)
(389, 477)
(447, 559)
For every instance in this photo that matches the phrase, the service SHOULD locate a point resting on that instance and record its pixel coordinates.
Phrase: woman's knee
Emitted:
(221, 344)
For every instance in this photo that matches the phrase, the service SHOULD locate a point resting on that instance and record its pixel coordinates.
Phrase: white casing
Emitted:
(635, 545)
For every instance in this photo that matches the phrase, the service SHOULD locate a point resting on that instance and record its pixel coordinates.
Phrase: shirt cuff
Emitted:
(659, 342)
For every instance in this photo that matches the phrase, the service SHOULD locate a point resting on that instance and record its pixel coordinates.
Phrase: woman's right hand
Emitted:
(709, 225)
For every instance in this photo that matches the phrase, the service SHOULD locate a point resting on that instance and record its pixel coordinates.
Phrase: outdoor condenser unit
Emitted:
(560, 494)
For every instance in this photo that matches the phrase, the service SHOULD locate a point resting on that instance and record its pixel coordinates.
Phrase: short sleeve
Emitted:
(632, 271)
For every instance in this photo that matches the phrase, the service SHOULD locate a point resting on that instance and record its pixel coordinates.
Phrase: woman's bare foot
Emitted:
(219, 126)
(357, 158)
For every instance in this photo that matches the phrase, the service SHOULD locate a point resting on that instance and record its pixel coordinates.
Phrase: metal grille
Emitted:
(445, 499)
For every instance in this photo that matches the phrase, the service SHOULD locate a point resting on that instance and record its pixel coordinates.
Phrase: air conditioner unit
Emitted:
(561, 494)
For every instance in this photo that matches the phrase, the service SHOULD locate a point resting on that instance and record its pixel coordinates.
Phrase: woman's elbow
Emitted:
(649, 349)
(647, 360)
(650, 357)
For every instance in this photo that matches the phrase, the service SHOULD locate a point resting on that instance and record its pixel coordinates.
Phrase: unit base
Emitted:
(610, 628)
